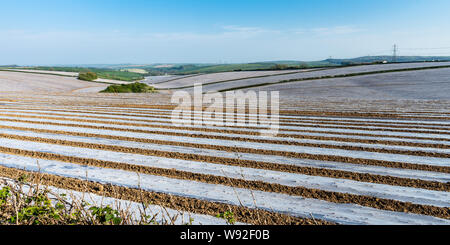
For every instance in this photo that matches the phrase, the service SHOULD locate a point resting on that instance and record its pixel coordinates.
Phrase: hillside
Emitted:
(187, 69)
(400, 59)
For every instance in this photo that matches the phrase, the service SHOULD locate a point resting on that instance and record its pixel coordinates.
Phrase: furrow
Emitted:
(167, 118)
(229, 162)
(118, 138)
(187, 204)
(214, 192)
(201, 129)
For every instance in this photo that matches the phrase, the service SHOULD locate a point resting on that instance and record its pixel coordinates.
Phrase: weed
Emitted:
(106, 215)
(228, 216)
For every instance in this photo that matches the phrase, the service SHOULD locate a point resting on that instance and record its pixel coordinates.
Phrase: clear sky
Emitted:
(51, 32)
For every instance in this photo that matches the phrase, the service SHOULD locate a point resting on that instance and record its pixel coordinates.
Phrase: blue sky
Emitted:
(218, 31)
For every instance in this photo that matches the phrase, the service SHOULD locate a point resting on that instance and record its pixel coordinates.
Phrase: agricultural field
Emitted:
(419, 84)
(322, 73)
(368, 149)
(61, 73)
(180, 82)
(191, 69)
(43, 83)
(154, 80)
(106, 74)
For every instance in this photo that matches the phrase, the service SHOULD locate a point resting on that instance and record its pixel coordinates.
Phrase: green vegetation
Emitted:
(87, 76)
(120, 75)
(23, 203)
(280, 67)
(130, 88)
(228, 216)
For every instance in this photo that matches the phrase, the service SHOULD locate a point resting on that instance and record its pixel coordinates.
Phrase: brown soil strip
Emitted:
(336, 197)
(184, 204)
(375, 124)
(273, 166)
(416, 112)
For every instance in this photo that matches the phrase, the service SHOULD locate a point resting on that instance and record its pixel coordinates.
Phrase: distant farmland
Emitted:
(110, 74)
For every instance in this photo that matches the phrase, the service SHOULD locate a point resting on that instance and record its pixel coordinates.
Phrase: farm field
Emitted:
(155, 80)
(319, 170)
(40, 83)
(186, 81)
(105, 74)
(251, 82)
(62, 73)
(421, 84)
(370, 149)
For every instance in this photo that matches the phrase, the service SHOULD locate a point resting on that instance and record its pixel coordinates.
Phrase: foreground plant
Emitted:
(23, 203)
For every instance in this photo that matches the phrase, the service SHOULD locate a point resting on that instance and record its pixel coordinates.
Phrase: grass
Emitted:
(130, 88)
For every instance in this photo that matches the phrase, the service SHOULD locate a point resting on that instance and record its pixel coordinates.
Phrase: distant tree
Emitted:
(279, 67)
(303, 66)
(130, 88)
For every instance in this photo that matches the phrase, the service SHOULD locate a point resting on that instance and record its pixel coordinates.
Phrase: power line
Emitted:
(426, 48)
(427, 54)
